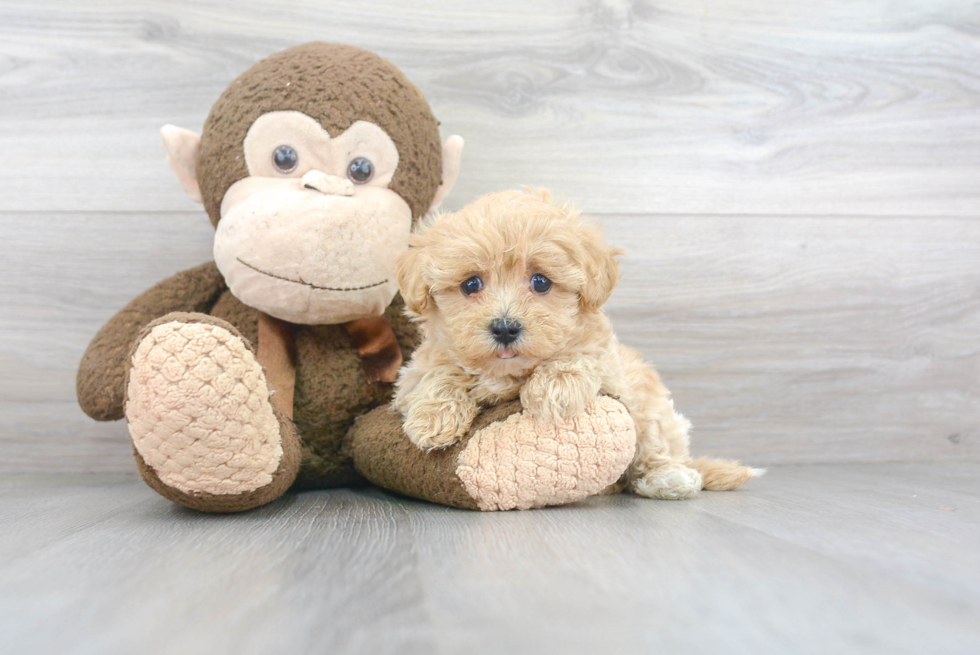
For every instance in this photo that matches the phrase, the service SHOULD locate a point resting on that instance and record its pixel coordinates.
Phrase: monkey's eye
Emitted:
(471, 286)
(285, 159)
(360, 170)
(540, 284)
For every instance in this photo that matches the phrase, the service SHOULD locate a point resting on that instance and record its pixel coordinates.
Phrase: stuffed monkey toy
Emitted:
(271, 368)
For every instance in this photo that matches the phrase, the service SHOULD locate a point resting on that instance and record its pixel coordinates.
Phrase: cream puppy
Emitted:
(508, 292)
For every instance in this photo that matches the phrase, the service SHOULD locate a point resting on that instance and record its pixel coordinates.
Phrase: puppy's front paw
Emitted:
(560, 390)
(434, 425)
(669, 483)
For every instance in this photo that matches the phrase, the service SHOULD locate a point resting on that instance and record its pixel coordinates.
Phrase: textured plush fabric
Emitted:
(238, 355)
(199, 410)
(282, 480)
(183, 148)
(506, 460)
(520, 463)
(331, 388)
(100, 383)
(336, 85)
(384, 455)
(277, 355)
(377, 347)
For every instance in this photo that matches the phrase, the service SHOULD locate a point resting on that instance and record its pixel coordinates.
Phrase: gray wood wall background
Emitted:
(797, 186)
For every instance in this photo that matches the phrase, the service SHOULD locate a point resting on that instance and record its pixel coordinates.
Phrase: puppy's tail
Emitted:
(722, 474)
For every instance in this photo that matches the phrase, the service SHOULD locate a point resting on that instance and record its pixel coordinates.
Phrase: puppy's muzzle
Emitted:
(505, 330)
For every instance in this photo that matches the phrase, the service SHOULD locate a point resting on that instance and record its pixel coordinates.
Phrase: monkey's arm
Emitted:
(102, 373)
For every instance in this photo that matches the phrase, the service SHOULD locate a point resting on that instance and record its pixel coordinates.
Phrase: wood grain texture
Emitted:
(67, 275)
(810, 339)
(816, 559)
(784, 340)
(836, 107)
(796, 185)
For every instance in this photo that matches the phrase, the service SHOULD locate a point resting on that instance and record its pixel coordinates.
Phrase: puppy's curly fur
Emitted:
(561, 351)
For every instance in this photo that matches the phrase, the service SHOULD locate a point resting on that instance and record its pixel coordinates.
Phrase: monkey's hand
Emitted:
(101, 375)
(561, 388)
(438, 410)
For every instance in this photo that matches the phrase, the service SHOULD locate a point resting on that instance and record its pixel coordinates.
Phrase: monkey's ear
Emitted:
(182, 148)
(411, 280)
(452, 156)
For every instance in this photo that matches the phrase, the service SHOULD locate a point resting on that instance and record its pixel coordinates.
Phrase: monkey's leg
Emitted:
(204, 431)
(507, 460)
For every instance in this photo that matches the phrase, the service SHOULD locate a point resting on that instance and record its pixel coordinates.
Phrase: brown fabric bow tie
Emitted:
(375, 341)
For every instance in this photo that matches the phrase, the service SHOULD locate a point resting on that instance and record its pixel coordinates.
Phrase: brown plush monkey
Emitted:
(243, 378)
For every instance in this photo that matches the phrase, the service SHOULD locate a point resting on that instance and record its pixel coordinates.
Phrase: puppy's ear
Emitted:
(411, 280)
(601, 265)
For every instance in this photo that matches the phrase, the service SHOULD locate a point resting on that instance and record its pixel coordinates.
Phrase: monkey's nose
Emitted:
(505, 330)
(330, 185)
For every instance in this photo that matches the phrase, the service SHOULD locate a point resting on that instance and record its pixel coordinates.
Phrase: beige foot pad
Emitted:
(199, 412)
(520, 463)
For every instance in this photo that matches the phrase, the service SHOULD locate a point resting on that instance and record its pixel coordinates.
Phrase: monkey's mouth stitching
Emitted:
(310, 284)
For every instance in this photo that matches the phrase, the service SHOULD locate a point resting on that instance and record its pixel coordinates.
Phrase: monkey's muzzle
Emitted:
(330, 185)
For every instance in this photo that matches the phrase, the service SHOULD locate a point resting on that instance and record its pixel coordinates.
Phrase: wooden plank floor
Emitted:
(810, 559)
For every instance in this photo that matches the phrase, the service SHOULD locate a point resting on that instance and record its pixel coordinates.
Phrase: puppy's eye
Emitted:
(540, 284)
(471, 286)
(285, 159)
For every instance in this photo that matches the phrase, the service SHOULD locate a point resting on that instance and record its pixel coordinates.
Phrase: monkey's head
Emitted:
(313, 166)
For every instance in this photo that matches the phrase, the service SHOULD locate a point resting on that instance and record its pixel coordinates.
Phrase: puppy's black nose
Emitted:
(505, 331)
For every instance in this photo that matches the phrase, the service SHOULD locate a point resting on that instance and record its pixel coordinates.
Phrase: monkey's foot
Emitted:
(508, 460)
(204, 431)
